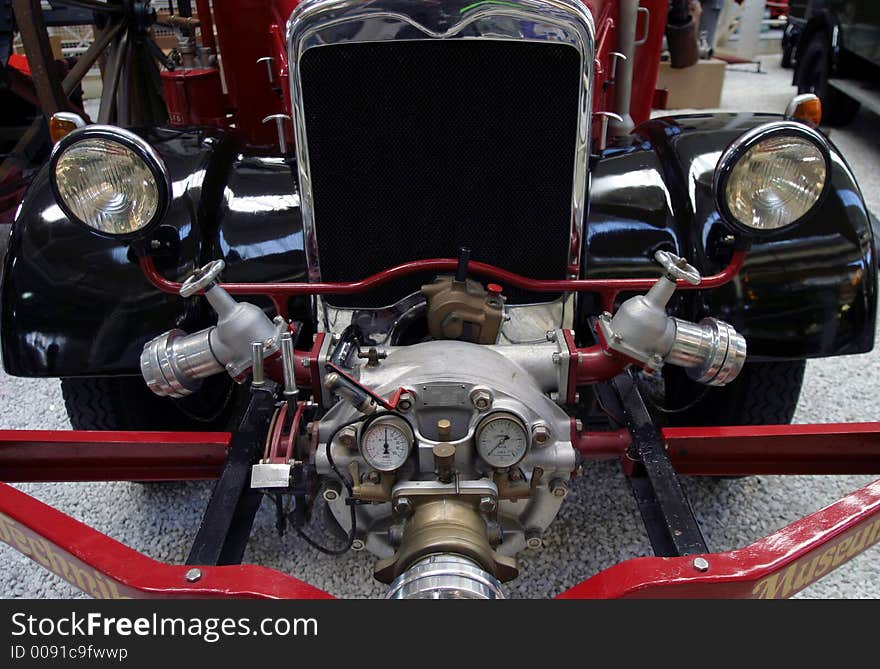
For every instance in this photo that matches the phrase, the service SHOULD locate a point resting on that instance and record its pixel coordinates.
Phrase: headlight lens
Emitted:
(773, 176)
(109, 180)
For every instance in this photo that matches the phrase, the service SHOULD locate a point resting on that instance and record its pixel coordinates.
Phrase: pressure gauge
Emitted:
(502, 440)
(386, 442)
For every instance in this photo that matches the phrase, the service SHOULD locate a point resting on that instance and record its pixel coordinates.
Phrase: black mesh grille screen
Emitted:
(419, 147)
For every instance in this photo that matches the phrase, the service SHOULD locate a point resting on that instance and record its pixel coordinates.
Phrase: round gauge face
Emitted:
(386, 443)
(502, 440)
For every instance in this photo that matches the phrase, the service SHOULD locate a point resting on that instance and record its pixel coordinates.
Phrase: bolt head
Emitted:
(193, 575)
(551, 335)
(406, 402)
(487, 504)
(701, 564)
(534, 541)
(403, 506)
(357, 545)
(331, 495)
(559, 488)
(540, 434)
(481, 399)
(557, 358)
(347, 438)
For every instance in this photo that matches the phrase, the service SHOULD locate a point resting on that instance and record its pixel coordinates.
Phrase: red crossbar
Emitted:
(85, 455)
(833, 448)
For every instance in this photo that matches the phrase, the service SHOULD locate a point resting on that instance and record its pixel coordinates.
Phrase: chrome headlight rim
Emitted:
(737, 149)
(137, 145)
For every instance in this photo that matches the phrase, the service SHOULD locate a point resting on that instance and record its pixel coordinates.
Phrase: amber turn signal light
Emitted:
(806, 108)
(62, 124)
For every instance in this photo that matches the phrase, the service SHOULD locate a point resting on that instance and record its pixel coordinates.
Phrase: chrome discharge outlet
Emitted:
(711, 351)
(174, 363)
(445, 576)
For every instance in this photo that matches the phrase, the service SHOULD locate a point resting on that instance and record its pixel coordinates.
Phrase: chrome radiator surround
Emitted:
(323, 22)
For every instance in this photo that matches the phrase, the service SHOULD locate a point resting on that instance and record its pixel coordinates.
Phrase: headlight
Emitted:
(772, 177)
(109, 180)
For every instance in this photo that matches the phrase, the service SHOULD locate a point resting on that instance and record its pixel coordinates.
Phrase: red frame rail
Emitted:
(778, 565)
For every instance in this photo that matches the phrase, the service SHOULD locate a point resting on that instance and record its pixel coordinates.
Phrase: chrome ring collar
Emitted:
(445, 577)
(322, 22)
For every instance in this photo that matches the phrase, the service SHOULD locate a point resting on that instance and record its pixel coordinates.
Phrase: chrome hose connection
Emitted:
(445, 576)
(711, 351)
(174, 363)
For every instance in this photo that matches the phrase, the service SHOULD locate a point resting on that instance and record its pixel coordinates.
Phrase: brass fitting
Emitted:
(446, 525)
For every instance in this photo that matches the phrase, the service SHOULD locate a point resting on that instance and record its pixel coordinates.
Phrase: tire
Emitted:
(125, 403)
(764, 394)
(813, 73)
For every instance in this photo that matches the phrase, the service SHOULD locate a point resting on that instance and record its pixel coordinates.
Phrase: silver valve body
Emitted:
(174, 363)
(711, 351)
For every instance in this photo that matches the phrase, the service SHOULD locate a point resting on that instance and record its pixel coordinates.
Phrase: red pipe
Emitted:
(608, 288)
(608, 445)
(595, 364)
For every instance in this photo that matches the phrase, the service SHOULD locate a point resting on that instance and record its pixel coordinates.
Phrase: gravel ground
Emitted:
(599, 524)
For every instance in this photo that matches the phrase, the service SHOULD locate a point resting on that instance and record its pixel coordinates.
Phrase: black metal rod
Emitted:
(464, 256)
(229, 517)
(669, 520)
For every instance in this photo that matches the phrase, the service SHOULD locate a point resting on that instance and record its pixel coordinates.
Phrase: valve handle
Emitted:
(678, 268)
(202, 279)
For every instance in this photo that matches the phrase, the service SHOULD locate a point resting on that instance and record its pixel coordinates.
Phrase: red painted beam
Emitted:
(106, 569)
(81, 455)
(775, 567)
(833, 448)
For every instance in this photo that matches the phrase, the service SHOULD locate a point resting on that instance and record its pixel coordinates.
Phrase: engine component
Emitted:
(712, 351)
(502, 440)
(453, 387)
(386, 442)
(460, 308)
(441, 526)
(445, 577)
(174, 363)
(772, 177)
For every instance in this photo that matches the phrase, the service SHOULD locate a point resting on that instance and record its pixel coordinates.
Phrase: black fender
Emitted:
(74, 304)
(807, 292)
(77, 305)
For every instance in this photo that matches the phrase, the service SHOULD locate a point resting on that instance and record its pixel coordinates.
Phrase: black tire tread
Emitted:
(765, 393)
(125, 403)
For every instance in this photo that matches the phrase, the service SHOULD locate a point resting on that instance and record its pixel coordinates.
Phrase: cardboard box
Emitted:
(697, 87)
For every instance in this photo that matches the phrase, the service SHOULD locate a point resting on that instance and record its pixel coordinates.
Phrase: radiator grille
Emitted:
(419, 147)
